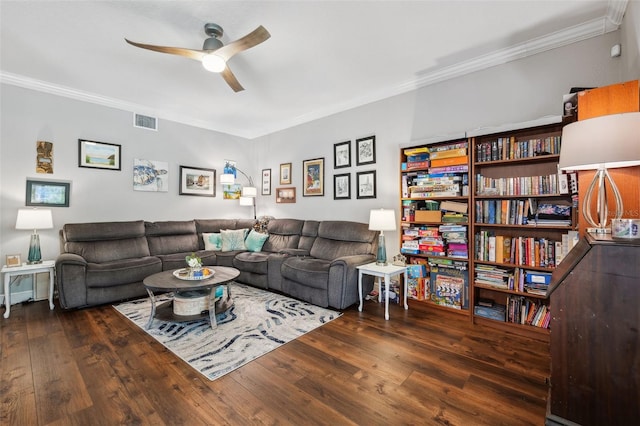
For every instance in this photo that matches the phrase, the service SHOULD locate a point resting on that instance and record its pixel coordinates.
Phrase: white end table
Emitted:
(26, 269)
(387, 272)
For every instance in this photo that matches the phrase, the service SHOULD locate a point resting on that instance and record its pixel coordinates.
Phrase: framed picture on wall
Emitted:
(366, 183)
(47, 193)
(286, 195)
(313, 177)
(197, 181)
(266, 181)
(342, 155)
(285, 174)
(98, 155)
(342, 186)
(366, 151)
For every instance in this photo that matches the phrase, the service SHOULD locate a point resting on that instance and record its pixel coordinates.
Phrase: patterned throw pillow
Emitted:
(212, 241)
(255, 240)
(233, 239)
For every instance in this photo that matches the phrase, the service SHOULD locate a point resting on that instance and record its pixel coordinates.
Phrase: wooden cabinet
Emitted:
(595, 338)
(522, 215)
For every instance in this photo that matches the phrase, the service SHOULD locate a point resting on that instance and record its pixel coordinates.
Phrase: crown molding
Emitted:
(580, 32)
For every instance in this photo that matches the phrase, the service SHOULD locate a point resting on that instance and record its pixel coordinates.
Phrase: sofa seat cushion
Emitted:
(250, 261)
(177, 260)
(308, 271)
(225, 258)
(125, 271)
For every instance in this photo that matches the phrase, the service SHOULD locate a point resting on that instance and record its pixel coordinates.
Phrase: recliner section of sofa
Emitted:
(310, 260)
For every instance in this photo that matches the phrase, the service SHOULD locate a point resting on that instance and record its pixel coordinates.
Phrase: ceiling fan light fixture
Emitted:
(214, 63)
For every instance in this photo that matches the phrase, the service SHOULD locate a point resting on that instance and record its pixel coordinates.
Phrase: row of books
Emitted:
(509, 149)
(521, 251)
(522, 212)
(444, 240)
(522, 185)
(516, 279)
(522, 310)
(453, 154)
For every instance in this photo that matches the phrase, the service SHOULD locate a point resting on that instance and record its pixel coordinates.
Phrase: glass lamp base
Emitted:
(381, 258)
(34, 250)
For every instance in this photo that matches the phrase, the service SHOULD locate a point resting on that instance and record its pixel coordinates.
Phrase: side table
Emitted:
(387, 272)
(25, 269)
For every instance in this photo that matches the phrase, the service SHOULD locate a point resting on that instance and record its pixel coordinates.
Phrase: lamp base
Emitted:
(599, 230)
(381, 258)
(34, 262)
(34, 250)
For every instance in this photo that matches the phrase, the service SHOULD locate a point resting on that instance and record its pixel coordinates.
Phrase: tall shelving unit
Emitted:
(513, 170)
(515, 176)
(429, 235)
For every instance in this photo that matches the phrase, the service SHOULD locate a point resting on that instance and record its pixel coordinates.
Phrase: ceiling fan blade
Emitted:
(254, 38)
(231, 79)
(189, 53)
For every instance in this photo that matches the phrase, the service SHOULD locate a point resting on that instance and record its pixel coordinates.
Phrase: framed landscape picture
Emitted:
(342, 155)
(99, 155)
(366, 183)
(342, 186)
(313, 177)
(197, 181)
(47, 193)
(366, 151)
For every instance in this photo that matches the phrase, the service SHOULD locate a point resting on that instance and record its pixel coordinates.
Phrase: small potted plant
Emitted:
(195, 265)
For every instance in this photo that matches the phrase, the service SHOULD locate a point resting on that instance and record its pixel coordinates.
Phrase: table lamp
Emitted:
(601, 143)
(34, 219)
(382, 220)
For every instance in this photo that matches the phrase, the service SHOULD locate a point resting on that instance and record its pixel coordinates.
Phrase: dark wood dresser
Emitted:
(595, 334)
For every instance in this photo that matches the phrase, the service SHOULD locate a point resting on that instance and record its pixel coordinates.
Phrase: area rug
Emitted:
(259, 322)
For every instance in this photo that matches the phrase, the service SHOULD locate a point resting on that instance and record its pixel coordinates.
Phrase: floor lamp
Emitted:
(249, 193)
(601, 143)
(382, 220)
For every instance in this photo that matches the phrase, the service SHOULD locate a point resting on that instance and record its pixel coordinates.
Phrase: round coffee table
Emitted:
(166, 281)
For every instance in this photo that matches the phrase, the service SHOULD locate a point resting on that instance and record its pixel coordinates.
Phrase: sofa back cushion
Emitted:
(207, 226)
(342, 238)
(101, 242)
(171, 237)
(309, 234)
(283, 234)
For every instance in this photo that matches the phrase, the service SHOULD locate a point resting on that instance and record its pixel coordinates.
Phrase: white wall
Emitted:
(516, 92)
(630, 41)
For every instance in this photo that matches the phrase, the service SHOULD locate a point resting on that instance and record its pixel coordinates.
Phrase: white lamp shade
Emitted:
(249, 191)
(382, 220)
(609, 141)
(34, 219)
(227, 179)
(246, 201)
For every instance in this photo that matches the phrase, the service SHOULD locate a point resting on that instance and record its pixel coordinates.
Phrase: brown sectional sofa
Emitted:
(314, 261)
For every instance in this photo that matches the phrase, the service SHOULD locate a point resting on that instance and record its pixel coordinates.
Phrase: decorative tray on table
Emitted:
(189, 275)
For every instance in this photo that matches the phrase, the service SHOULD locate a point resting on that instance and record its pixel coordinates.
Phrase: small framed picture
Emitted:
(266, 181)
(47, 193)
(285, 174)
(313, 177)
(286, 195)
(13, 260)
(342, 186)
(342, 155)
(366, 183)
(366, 151)
(98, 155)
(197, 181)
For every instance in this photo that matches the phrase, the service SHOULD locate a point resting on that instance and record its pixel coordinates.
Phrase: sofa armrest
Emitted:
(343, 280)
(354, 260)
(71, 280)
(294, 252)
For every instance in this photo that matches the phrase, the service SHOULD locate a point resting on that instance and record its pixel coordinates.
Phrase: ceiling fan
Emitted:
(214, 55)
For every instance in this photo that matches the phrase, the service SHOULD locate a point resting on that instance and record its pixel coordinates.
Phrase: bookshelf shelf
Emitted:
(511, 176)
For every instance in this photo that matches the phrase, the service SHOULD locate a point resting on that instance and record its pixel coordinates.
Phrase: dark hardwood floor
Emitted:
(424, 366)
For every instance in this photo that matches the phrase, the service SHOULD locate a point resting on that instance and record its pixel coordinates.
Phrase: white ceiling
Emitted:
(323, 57)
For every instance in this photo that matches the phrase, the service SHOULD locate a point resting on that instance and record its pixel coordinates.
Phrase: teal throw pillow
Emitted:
(255, 240)
(212, 241)
(233, 239)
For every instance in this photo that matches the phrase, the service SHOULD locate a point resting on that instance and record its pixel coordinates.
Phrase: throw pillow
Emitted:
(212, 241)
(233, 239)
(255, 240)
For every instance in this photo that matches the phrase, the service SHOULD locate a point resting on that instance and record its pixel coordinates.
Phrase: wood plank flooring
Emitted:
(423, 367)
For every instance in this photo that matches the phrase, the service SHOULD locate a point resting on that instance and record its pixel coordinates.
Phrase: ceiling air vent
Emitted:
(145, 122)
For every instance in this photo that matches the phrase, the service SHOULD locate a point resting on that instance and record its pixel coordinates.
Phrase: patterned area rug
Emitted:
(258, 323)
